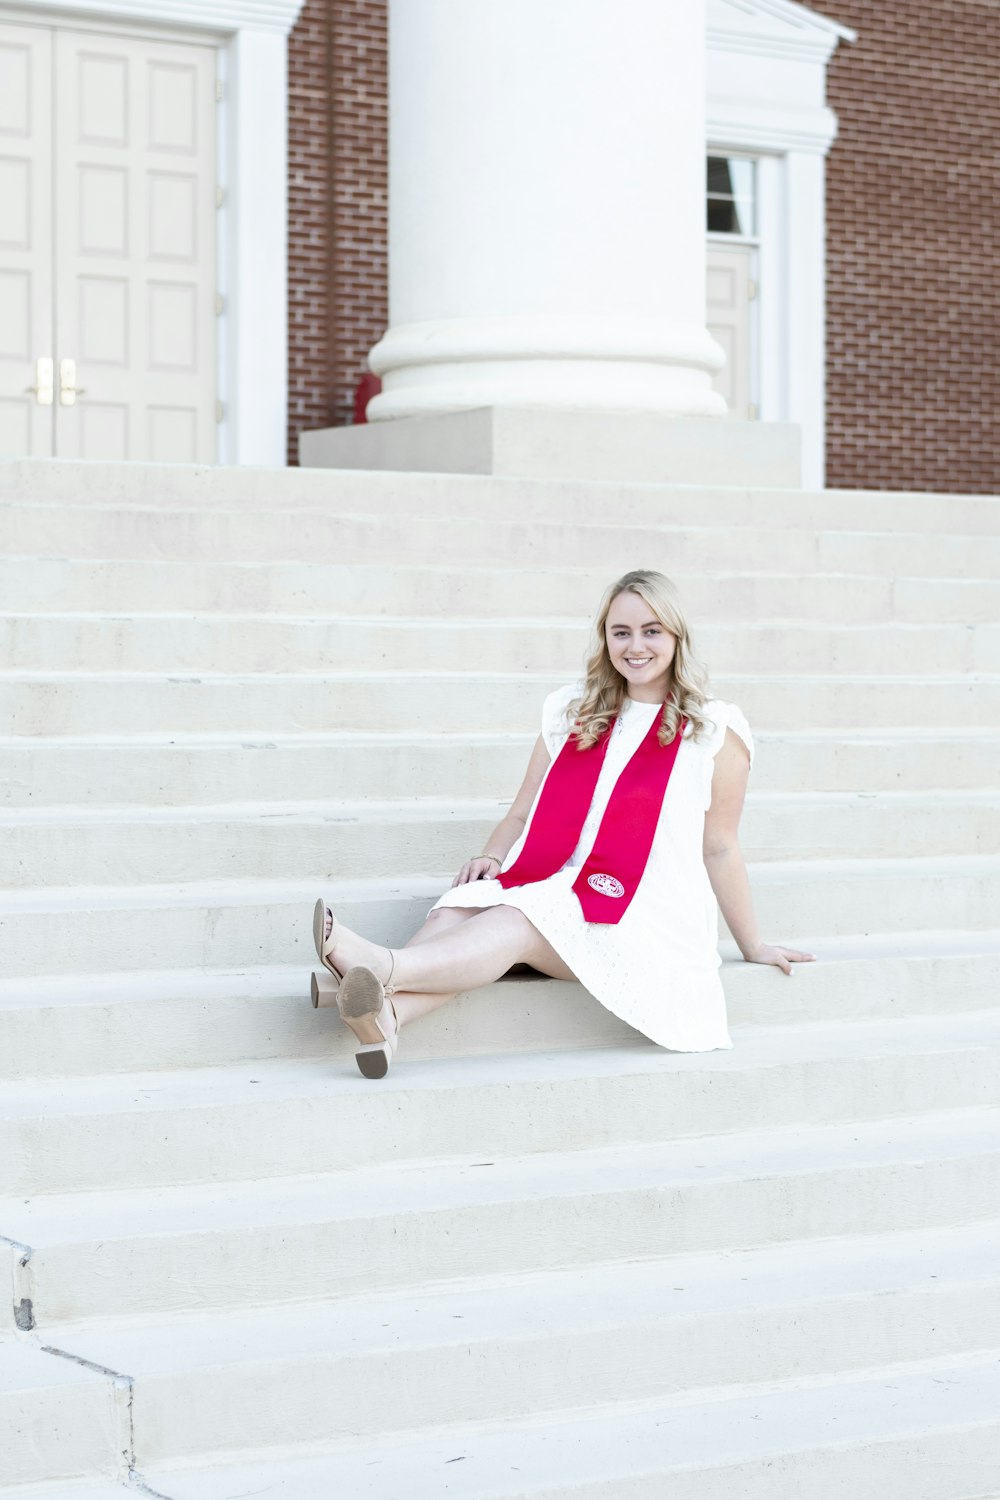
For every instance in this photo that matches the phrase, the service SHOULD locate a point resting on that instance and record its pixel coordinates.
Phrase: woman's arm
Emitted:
(504, 836)
(724, 862)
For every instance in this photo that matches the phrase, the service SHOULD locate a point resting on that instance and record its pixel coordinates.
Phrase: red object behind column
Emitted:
(367, 387)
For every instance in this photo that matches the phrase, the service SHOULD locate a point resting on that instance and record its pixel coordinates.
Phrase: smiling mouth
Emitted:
(633, 662)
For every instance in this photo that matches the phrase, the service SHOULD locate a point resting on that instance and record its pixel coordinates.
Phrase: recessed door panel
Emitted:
(26, 234)
(136, 262)
(728, 318)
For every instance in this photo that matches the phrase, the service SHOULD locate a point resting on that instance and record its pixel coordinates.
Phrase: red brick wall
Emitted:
(360, 190)
(913, 246)
(310, 246)
(338, 188)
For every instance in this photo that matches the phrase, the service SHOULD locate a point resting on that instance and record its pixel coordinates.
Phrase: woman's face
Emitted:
(641, 649)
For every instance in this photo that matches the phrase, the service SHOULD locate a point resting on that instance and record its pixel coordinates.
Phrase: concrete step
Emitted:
(876, 761)
(112, 704)
(289, 840)
(59, 1419)
(66, 1489)
(155, 1251)
(217, 924)
(74, 1025)
(538, 1344)
(97, 484)
(273, 1118)
(198, 770)
(324, 536)
(194, 770)
(935, 1426)
(77, 1025)
(135, 586)
(252, 643)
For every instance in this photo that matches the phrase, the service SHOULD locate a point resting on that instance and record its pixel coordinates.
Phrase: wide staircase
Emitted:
(543, 1258)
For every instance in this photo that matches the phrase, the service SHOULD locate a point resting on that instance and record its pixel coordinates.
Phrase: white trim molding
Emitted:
(776, 109)
(774, 28)
(252, 61)
(213, 15)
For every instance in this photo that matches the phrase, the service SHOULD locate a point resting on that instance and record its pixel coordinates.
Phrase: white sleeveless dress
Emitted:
(658, 968)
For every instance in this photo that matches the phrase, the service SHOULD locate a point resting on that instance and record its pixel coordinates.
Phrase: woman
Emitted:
(608, 867)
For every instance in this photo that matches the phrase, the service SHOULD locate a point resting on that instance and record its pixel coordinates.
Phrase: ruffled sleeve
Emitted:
(556, 721)
(725, 716)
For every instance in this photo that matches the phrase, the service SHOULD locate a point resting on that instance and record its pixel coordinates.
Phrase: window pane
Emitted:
(731, 182)
(719, 180)
(730, 216)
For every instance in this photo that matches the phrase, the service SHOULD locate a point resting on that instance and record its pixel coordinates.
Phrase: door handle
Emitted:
(44, 379)
(68, 388)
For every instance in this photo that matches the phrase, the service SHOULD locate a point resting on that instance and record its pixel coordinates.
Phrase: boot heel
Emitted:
(373, 1061)
(323, 990)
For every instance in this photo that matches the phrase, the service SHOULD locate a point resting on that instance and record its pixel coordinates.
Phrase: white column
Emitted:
(255, 250)
(547, 207)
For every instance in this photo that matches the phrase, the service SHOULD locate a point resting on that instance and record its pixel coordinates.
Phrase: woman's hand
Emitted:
(783, 958)
(479, 868)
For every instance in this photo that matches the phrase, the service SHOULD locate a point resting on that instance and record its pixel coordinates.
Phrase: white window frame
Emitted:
(756, 343)
(766, 98)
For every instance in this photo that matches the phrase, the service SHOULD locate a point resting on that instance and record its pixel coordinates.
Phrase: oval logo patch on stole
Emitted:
(607, 885)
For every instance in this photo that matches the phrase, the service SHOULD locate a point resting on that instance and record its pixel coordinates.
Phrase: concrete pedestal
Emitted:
(540, 443)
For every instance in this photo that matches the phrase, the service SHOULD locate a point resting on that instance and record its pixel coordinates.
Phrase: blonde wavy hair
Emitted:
(605, 690)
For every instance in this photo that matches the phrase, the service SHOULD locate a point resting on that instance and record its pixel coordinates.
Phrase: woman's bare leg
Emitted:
(452, 957)
(408, 1005)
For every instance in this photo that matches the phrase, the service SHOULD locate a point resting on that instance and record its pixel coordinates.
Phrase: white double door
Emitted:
(107, 246)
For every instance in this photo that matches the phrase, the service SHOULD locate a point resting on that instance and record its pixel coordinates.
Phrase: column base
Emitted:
(542, 443)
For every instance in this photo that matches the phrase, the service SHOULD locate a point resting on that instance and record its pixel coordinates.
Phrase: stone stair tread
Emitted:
(473, 623)
(69, 1489)
(547, 1303)
(248, 892)
(645, 520)
(238, 738)
(57, 1415)
(427, 809)
(72, 1025)
(68, 1218)
(523, 676)
(401, 810)
(674, 1438)
(279, 981)
(230, 923)
(96, 481)
(253, 892)
(277, 1079)
(25, 1366)
(54, 586)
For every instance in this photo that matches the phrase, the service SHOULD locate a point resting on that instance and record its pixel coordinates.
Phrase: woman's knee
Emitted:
(450, 915)
(517, 926)
(444, 917)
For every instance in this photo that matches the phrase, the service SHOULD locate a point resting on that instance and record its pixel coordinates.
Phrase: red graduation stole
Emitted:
(611, 874)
